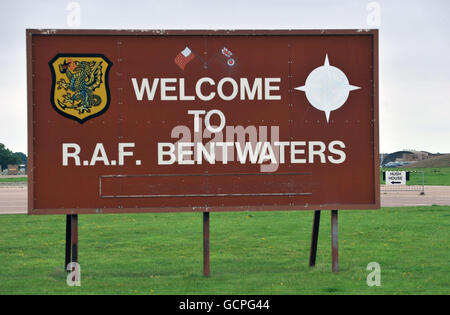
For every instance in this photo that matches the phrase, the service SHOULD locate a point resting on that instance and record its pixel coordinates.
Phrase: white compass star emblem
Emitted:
(327, 88)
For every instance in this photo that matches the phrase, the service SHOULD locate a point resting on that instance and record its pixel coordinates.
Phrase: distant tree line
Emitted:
(9, 157)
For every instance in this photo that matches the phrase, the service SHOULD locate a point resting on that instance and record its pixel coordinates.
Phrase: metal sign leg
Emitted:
(206, 268)
(74, 241)
(71, 240)
(68, 240)
(334, 241)
(423, 184)
(314, 239)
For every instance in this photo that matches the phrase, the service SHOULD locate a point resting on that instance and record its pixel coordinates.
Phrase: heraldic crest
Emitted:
(80, 88)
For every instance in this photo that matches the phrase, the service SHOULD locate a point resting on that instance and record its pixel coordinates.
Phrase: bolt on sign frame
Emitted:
(198, 120)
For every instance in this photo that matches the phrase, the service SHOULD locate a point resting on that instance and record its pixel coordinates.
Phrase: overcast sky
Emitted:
(414, 50)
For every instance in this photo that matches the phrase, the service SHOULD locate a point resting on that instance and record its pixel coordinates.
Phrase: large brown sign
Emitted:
(140, 121)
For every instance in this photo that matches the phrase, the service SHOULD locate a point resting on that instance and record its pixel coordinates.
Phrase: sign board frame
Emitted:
(33, 196)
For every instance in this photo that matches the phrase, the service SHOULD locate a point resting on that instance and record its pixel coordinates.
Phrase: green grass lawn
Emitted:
(251, 253)
(432, 176)
(13, 179)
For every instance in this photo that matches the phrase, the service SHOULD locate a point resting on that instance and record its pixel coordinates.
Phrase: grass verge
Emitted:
(13, 179)
(251, 253)
(432, 176)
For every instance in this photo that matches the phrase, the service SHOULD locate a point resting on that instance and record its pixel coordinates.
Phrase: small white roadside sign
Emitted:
(395, 178)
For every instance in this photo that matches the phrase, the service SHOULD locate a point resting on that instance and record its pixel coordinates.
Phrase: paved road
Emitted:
(434, 195)
(13, 176)
(13, 199)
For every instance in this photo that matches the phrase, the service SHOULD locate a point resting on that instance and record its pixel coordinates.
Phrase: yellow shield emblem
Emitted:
(80, 89)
